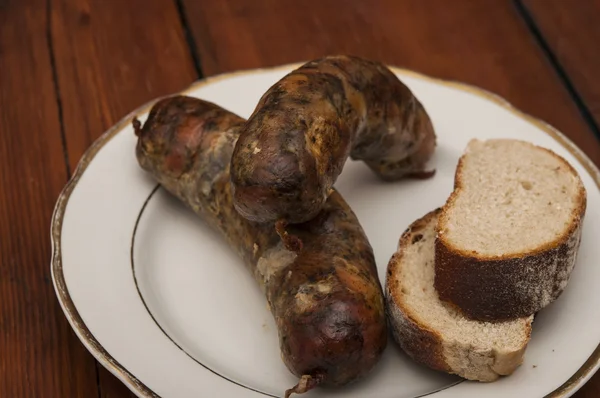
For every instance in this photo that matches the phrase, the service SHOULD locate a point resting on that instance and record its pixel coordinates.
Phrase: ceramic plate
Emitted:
(162, 302)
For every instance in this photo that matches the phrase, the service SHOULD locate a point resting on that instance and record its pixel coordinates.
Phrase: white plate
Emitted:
(160, 300)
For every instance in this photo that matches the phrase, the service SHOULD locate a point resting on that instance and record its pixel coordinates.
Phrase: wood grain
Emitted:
(591, 389)
(112, 57)
(40, 356)
(572, 33)
(485, 43)
(111, 387)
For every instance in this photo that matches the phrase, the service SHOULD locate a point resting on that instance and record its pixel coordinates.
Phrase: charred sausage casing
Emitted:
(326, 299)
(296, 142)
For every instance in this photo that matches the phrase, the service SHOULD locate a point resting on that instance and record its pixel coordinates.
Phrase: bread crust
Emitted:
(428, 346)
(419, 342)
(511, 286)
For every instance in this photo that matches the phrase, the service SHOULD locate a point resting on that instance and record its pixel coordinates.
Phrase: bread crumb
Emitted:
(473, 350)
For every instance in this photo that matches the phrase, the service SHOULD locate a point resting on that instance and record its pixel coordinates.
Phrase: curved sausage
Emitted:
(294, 145)
(326, 299)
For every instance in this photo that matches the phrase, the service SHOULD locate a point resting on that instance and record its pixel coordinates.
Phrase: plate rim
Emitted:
(570, 386)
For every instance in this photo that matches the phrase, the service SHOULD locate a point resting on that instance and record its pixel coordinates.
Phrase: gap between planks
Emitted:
(557, 66)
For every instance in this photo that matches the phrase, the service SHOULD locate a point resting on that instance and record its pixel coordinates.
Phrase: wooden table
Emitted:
(69, 69)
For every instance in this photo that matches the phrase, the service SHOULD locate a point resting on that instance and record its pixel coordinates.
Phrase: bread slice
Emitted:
(435, 334)
(508, 236)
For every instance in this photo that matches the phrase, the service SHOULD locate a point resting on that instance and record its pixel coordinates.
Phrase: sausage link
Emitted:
(297, 140)
(326, 299)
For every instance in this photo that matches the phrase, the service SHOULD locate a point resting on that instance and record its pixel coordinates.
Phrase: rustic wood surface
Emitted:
(39, 354)
(572, 35)
(72, 68)
(110, 58)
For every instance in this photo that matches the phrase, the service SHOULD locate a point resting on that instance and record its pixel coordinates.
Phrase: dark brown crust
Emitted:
(428, 346)
(339, 332)
(296, 142)
(495, 289)
(487, 290)
(416, 340)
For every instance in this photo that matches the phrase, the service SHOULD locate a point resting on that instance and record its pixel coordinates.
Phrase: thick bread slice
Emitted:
(435, 334)
(508, 236)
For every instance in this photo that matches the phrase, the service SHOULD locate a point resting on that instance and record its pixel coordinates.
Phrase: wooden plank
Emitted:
(40, 356)
(112, 57)
(485, 43)
(572, 33)
(591, 389)
(111, 387)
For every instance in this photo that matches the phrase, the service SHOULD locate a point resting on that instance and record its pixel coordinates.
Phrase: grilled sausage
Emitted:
(294, 145)
(326, 299)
